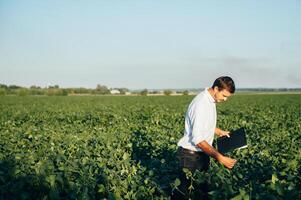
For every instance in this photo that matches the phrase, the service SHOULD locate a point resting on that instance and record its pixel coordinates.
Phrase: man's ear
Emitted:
(215, 89)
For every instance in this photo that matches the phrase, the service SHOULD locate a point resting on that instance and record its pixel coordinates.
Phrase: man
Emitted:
(195, 147)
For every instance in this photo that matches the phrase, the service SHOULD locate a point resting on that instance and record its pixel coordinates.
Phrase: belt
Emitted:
(190, 151)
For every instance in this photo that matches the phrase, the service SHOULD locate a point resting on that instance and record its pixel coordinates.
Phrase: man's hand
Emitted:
(228, 162)
(224, 133)
(209, 150)
(221, 133)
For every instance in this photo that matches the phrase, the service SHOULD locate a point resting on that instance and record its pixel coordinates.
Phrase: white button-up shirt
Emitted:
(200, 121)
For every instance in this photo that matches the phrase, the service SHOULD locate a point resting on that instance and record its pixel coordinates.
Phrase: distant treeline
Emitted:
(56, 90)
(269, 89)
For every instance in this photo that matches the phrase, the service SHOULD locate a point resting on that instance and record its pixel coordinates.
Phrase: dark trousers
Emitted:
(192, 161)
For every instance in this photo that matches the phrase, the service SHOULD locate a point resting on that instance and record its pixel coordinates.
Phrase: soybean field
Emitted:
(124, 147)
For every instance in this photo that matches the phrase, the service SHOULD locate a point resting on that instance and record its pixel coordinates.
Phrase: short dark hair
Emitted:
(224, 82)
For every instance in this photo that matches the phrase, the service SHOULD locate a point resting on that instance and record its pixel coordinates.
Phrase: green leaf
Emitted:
(177, 182)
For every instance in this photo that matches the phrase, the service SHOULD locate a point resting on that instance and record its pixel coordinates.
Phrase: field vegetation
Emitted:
(124, 147)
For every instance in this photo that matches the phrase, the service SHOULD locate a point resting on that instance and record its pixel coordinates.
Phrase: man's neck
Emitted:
(211, 92)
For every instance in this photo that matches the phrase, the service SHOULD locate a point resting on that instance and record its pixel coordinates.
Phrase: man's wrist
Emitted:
(216, 155)
(219, 157)
(218, 131)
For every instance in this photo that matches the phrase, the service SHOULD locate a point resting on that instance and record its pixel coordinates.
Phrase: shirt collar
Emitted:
(211, 99)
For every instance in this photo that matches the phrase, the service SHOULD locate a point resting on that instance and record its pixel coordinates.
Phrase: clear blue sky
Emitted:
(150, 44)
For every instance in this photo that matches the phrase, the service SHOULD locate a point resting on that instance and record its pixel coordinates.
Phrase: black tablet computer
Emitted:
(237, 140)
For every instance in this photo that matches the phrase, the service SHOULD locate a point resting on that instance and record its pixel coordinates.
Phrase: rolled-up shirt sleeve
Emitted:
(200, 122)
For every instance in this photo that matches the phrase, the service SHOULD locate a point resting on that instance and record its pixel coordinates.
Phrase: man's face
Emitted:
(221, 96)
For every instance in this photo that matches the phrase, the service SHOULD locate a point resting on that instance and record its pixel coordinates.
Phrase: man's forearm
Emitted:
(209, 150)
